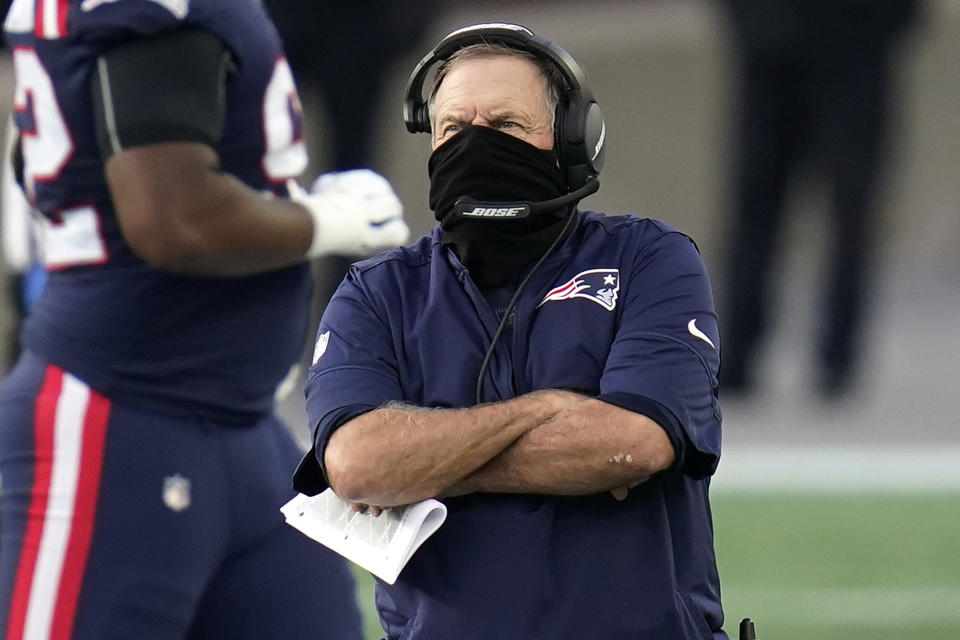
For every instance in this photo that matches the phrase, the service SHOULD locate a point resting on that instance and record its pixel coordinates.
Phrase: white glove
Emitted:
(354, 213)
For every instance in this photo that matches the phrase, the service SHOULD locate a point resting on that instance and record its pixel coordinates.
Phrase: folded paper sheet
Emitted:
(380, 544)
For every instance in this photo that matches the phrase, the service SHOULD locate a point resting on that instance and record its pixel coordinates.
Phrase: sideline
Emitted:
(857, 608)
(836, 469)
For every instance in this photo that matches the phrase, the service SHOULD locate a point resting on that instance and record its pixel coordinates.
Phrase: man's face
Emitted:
(499, 91)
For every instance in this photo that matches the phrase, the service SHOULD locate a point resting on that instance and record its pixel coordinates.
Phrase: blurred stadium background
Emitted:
(833, 519)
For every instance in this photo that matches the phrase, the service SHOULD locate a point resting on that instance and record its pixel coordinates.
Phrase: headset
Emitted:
(579, 130)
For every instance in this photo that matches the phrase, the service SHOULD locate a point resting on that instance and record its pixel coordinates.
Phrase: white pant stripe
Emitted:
(51, 19)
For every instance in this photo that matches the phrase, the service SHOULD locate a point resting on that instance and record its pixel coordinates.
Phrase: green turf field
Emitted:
(852, 567)
(830, 567)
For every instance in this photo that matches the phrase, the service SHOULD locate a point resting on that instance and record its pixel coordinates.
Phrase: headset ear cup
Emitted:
(423, 117)
(595, 137)
(572, 152)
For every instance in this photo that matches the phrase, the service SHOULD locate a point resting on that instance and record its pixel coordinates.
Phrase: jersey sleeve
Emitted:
(665, 356)
(168, 88)
(354, 370)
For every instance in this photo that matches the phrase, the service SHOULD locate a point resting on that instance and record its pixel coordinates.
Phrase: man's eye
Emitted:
(509, 125)
(449, 128)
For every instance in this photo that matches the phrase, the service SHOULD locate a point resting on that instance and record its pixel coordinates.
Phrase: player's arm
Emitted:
(159, 105)
(400, 454)
(179, 214)
(588, 447)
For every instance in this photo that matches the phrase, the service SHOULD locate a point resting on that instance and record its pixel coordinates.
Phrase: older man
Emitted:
(549, 373)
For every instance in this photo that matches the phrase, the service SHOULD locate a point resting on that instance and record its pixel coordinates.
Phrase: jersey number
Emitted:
(44, 136)
(75, 238)
(286, 152)
(47, 146)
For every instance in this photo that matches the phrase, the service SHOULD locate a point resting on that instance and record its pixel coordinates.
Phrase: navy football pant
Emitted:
(120, 523)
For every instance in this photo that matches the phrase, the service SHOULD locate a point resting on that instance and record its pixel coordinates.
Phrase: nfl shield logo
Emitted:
(321, 347)
(176, 492)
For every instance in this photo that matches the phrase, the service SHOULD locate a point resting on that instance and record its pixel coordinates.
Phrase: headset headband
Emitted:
(415, 114)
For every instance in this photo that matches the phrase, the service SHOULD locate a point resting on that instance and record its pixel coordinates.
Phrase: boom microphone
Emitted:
(469, 208)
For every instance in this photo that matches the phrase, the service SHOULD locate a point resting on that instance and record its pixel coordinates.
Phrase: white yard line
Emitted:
(808, 469)
(863, 607)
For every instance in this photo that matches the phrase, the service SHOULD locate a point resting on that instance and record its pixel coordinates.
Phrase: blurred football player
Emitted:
(143, 468)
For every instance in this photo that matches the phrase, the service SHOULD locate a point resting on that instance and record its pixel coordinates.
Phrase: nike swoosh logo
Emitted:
(696, 333)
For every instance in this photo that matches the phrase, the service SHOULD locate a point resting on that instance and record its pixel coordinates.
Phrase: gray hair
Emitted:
(555, 82)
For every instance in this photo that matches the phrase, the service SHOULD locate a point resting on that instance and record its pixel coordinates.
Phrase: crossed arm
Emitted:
(548, 442)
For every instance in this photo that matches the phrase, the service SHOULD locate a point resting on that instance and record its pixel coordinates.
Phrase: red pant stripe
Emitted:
(44, 416)
(84, 515)
(70, 434)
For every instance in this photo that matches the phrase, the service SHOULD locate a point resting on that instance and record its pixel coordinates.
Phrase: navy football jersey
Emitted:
(211, 346)
(622, 311)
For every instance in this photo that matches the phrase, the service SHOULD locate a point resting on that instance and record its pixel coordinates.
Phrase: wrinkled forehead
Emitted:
(494, 73)
(522, 61)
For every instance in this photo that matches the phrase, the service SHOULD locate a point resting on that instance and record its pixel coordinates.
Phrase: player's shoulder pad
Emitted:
(178, 8)
(108, 20)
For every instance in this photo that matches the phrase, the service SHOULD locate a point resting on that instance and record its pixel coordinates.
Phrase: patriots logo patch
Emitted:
(599, 285)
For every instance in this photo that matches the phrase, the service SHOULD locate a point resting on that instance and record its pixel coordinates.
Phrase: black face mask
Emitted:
(490, 166)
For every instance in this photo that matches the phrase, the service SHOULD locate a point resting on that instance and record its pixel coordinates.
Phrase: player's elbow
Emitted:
(347, 483)
(349, 476)
(659, 453)
(661, 459)
(165, 246)
(651, 454)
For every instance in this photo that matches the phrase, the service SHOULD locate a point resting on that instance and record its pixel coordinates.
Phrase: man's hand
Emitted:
(354, 213)
(360, 507)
